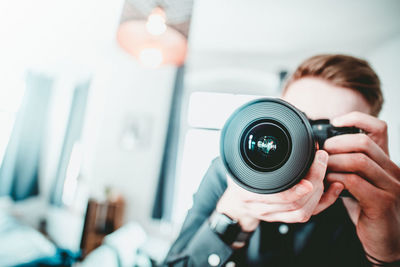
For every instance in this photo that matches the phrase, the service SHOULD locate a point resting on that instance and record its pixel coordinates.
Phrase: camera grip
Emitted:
(322, 130)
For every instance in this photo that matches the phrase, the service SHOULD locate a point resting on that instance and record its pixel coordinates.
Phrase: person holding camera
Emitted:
(308, 224)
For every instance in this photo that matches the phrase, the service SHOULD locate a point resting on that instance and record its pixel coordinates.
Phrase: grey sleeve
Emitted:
(197, 243)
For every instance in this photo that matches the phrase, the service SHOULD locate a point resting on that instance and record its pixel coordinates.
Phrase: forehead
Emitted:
(321, 99)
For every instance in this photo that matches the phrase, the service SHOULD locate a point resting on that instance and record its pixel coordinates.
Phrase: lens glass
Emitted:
(265, 145)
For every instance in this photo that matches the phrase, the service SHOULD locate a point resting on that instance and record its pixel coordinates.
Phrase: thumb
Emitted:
(318, 168)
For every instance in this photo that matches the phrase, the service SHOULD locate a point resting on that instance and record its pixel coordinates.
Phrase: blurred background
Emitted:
(110, 111)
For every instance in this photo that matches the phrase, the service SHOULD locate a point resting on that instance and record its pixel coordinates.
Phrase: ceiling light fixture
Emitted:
(153, 42)
(156, 22)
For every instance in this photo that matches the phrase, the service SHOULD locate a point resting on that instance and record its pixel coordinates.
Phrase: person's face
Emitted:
(322, 100)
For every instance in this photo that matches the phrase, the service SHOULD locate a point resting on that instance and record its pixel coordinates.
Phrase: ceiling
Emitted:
(291, 27)
(177, 11)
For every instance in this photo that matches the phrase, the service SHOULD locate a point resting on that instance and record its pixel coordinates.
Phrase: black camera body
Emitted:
(268, 145)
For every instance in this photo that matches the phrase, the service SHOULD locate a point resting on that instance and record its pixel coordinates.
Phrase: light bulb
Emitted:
(156, 22)
(151, 57)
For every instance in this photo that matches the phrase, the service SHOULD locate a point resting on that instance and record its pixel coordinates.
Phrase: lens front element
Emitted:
(265, 145)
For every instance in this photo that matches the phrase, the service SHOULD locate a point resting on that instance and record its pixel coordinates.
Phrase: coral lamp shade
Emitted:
(152, 43)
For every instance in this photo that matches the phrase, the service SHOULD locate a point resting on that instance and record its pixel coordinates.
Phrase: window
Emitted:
(206, 115)
(11, 92)
(197, 117)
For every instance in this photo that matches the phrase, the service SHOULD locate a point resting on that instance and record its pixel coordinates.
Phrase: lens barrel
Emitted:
(267, 145)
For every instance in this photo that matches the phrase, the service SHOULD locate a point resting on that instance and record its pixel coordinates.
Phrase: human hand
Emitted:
(296, 204)
(361, 162)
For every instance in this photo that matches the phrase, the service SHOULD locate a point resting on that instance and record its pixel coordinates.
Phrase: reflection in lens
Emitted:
(267, 145)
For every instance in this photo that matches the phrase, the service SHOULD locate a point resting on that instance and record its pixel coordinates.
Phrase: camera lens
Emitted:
(265, 145)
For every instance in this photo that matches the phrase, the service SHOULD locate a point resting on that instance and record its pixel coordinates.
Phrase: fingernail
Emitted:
(322, 157)
(338, 192)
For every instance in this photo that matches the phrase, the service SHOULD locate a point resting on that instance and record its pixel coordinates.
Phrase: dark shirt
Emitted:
(327, 239)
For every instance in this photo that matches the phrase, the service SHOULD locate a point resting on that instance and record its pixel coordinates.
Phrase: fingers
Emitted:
(293, 205)
(301, 215)
(301, 190)
(368, 196)
(362, 165)
(329, 197)
(318, 168)
(355, 143)
(376, 128)
(297, 216)
(301, 209)
(361, 120)
(359, 143)
(261, 209)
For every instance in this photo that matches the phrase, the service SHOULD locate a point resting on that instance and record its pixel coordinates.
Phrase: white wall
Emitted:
(386, 61)
(56, 36)
(61, 39)
(122, 90)
(70, 38)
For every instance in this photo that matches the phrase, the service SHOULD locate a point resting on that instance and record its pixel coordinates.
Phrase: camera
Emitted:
(268, 145)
